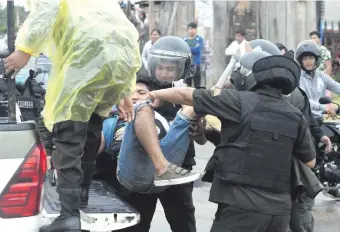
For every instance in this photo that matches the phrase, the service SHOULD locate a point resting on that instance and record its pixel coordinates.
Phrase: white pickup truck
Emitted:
(27, 199)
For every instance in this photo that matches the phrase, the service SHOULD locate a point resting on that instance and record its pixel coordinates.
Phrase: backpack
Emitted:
(30, 98)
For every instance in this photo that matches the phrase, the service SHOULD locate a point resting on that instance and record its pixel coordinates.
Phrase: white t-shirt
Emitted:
(235, 48)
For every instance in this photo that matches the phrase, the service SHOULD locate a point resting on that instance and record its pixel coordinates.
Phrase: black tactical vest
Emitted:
(30, 98)
(260, 156)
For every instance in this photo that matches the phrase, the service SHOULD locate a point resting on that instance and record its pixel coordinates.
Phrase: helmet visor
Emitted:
(165, 66)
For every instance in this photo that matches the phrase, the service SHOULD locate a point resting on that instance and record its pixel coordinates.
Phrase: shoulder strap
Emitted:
(35, 88)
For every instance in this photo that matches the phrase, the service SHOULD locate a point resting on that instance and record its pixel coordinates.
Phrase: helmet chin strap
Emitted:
(309, 72)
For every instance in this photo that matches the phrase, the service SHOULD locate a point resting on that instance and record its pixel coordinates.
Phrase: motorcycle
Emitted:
(327, 167)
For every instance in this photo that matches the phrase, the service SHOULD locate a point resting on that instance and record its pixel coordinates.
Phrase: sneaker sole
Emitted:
(177, 181)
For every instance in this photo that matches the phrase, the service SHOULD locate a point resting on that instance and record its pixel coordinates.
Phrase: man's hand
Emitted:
(328, 143)
(331, 110)
(198, 131)
(16, 61)
(156, 102)
(125, 108)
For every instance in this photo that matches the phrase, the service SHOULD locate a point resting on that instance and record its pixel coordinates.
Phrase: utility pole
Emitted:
(223, 29)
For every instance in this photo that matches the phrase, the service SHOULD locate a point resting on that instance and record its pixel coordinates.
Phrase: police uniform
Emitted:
(261, 133)
(30, 98)
(301, 214)
(237, 162)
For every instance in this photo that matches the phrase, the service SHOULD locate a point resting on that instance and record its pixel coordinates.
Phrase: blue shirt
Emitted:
(197, 47)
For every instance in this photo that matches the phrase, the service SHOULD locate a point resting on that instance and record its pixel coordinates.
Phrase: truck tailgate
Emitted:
(106, 210)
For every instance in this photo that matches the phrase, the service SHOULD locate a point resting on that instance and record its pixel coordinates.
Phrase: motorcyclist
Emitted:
(256, 124)
(314, 82)
(95, 56)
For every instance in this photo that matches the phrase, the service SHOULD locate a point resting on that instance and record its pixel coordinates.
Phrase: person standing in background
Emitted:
(326, 57)
(238, 45)
(155, 35)
(196, 45)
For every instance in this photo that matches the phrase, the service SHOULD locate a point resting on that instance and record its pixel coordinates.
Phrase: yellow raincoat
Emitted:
(94, 51)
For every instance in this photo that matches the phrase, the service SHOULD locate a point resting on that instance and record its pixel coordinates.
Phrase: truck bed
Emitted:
(106, 210)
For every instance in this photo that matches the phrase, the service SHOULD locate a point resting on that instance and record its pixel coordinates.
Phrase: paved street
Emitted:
(326, 211)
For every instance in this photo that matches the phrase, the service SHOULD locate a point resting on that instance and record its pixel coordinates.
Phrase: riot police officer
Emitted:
(261, 132)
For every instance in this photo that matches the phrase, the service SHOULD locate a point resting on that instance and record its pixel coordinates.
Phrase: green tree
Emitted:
(21, 16)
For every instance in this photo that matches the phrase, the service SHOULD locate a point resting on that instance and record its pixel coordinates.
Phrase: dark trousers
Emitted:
(75, 142)
(45, 136)
(198, 83)
(232, 219)
(176, 200)
(178, 208)
(301, 217)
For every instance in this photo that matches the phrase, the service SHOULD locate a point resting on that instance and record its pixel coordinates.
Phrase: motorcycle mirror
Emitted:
(325, 100)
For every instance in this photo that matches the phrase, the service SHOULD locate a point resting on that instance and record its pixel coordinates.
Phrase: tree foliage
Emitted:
(20, 17)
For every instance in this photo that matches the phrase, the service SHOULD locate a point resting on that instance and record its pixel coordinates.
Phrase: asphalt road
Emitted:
(326, 210)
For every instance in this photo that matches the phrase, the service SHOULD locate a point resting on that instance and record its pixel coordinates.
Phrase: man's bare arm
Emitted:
(183, 96)
(146, 133)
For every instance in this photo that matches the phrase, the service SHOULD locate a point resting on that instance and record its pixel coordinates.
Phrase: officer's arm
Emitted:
(304, 147)
(180, 95)
(225, 105)
(316, 131)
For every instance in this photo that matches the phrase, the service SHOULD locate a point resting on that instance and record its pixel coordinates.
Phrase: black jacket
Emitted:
(304, 180)
(299, 99)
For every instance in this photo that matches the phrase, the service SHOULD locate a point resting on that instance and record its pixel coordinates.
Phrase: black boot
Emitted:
(69, 219)
(88, 169)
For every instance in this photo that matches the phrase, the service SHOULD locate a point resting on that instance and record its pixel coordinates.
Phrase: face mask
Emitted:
(21, 77)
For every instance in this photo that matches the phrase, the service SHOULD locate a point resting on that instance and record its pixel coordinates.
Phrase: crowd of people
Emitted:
(97, 109)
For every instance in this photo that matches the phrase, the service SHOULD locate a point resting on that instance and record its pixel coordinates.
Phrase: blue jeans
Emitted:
(135, 169)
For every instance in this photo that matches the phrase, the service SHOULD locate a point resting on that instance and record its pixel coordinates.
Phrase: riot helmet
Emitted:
(284, 50)
(308, 48)
(243, 78)
(170, 60)
(259, 68)
(264, 45)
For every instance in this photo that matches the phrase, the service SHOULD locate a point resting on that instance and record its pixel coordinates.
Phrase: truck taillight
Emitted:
(22, 195)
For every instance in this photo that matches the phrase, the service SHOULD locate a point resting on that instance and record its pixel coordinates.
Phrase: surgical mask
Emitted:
(21, 77)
